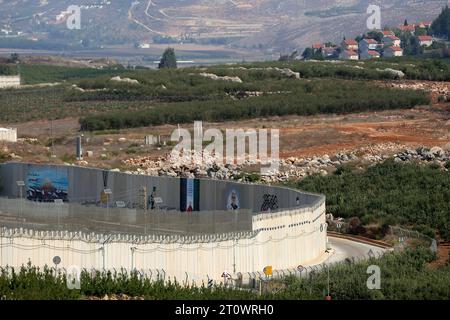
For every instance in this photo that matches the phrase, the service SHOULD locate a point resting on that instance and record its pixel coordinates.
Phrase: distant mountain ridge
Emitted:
(270, 25)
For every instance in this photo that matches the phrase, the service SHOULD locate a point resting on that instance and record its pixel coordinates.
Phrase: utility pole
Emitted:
(51, 137)
(21, 184)
(328, 268)
(59, 203)
(144, 204)
(234, 257)
(132, 258)
(107, 192)
(328, 297)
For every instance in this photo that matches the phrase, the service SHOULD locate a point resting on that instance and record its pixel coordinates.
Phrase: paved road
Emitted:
(343, 248)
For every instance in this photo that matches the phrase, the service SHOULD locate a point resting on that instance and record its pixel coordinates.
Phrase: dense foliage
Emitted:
(52, 103)
(404, 275)
(301, 98)
(441, 26)
(414, 69)
(8, 69)
(389, 193)
(168, 60)
(179, 95)
(35, 73)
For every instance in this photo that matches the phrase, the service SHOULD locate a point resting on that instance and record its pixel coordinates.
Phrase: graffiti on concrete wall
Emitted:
(189, 195)
(270, 202)
(47, 184)
(233, 200)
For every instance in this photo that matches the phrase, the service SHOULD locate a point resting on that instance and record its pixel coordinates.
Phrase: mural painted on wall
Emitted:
(270, 202)
(47, 184)
(233, 200)
(189, 195)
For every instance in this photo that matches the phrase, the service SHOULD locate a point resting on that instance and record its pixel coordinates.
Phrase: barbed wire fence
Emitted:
(256, 280)
(405, 235)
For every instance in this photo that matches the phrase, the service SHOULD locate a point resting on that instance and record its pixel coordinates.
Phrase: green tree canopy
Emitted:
(169, 59)
(441, 26)
(376, 35)
(14, 57)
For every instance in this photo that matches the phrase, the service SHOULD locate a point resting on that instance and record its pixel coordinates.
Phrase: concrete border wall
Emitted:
(283, 241)
(85, 185)
(284, 238)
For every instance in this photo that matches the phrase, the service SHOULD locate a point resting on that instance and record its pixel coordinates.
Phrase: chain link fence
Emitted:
(257, 280)
(405, 235)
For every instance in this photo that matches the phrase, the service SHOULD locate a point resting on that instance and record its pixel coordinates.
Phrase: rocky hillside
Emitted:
(263, 24)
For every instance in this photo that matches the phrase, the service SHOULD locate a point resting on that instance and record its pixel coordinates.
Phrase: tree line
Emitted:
(306, 98)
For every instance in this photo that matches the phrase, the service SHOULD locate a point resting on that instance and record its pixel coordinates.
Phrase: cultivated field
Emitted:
(317, 115)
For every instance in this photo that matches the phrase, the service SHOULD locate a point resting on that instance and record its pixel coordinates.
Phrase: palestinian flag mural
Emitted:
(189, 195)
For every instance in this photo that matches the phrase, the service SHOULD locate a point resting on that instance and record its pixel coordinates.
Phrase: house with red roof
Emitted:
(409, 28)
(317, 46)
(387, 33)
(425, 40)
(424, 24)
(349, 55)
(329, 52)
(349, 44)
(391, 40)
(393, 51)
(369, 54)
(368, 44)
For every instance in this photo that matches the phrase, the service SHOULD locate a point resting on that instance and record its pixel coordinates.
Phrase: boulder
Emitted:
(126, 80)
(399, 74)
(213, 76)
(437, 152)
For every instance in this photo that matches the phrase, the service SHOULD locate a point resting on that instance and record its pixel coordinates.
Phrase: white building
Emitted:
(368, 44)
(8, 134)
(425, 40)
(144, 46)
(391, 41)
(393, 51)
(349, 55)
(9, 81)
(349, 44)
(369, 54)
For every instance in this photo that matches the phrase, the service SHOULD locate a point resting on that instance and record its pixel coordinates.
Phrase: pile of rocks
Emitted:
(127, 80)
(215, 77)
(284, 71)
(435, 154)
(198, 166)
(441, 88)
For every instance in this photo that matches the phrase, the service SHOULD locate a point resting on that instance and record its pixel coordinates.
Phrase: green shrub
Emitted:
(405, 275)
(394, 193)
(8, 70)
(326, 97)
(68, 158)
(447, 165)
